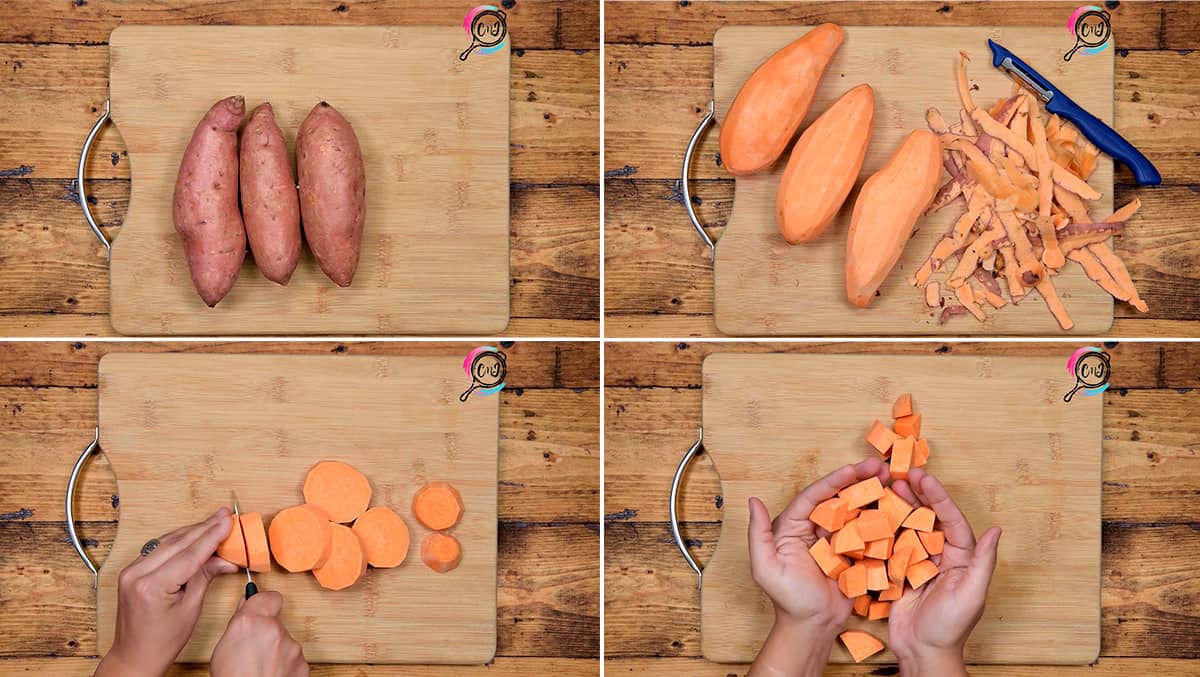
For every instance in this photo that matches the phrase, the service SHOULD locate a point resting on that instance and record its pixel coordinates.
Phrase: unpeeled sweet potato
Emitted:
(772, 103)
(329, 163)
(885, 212)
(824, 166)
(269, 204)
(205, 205)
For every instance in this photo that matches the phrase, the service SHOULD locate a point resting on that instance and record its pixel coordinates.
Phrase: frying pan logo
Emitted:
(487, 367)
(1089, 26)
(488, 30)
(1091, 368)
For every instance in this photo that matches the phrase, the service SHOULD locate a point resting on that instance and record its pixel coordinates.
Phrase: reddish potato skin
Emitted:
(205, 206)
(329, 163)
(270, 206)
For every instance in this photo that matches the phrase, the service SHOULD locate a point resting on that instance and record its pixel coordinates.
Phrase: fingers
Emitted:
(267, 603)
(902, 489)
(198, 549)
(197, 585)
(933, 494)
(983, 563)
(172, 543)
(762, 540)
(828, 486)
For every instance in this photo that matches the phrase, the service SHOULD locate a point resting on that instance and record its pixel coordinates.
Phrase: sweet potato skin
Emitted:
(824, 165)
(270, 206)
(329, 163)
(205, 205)
(885, 211)
(771, 105)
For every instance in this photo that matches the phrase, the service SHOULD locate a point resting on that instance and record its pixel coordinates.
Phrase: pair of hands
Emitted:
(927, 628)
(159, 597)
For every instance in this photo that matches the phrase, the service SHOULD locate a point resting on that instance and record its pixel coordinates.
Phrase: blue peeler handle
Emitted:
(1106, 139)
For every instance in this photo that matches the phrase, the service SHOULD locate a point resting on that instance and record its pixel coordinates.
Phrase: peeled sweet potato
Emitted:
(205, 205)
(885, 212)
(329, 163)
(824, 166)
(269, 204)
(772, 103)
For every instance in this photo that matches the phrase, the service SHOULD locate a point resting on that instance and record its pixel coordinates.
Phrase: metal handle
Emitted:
(71, 510)
(83, 204)
(683, 180)
(683, 464)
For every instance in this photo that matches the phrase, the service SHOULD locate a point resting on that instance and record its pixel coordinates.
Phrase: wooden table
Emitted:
(549, 551)
(1150, 597)
(658, 82)
(55, 79)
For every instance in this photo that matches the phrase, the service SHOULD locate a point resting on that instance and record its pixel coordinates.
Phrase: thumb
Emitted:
(762, 539)
(197, 585)
(268, 603)
(983, 562)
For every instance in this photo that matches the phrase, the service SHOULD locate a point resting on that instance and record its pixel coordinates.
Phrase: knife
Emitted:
(1105, 137)
(251, 588)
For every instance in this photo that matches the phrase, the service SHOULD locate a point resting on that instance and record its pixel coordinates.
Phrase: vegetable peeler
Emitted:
(251, 588)
(1106, 138)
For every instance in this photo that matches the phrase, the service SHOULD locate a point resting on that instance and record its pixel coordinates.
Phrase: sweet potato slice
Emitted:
(233, 548)
(301, 538)
(346, 563)
(861, 645)
(441, 552)
(384, 536)
(921, 519)
(338, 489)
(901, 458)
(438, 505)
(257, 551)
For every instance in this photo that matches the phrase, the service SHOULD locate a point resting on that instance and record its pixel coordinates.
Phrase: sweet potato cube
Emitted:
(894, 592)
(908, 426)
(861, 645)
(829, 514)
(903, 406)
(873, 525)
(878, 610)
(896, 508)
(862, 493)
(908, 540)
(862, 604)
(881, 437)
(921, 519)
(877, 575)
(920, 453)
(881, 549)
(847, 538)
(856, 554)
(851, 514)
(902, 451)
(898, 564)
(830, 563)
(853, 581)
(934, 541)
(918, 574)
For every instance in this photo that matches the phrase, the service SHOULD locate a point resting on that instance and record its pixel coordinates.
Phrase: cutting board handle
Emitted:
(83, 457)
(675, 483)
(81, 193)
(683, 181)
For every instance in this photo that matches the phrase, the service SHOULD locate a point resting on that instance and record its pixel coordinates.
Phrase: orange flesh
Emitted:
(347, 562)
(256, 542)
(384, 537)
(338, 489)
(301, 538)
(233, 548)
(861, 645)
(438, 506)
(441, 552)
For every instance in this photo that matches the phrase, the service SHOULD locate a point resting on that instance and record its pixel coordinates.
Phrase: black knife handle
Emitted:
(251, 589)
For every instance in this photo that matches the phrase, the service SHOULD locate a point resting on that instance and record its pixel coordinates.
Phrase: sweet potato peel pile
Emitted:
(1023, 180)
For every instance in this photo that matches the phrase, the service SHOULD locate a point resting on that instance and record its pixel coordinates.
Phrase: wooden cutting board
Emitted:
(766, 287)
(434, 135)
(1008, 448)
(182, 431)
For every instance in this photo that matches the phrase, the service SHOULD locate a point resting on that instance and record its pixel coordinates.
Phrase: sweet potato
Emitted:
(824, 165)
(257, 551)
(338, 489)
(205, 205)
(861, 645)
(233, 548)
(270, 206)
(772, 103)
(329, 163)
(441, 552)
(301, 538)
(885, 212)
(346, 563)
(438, 505)
(384, 536)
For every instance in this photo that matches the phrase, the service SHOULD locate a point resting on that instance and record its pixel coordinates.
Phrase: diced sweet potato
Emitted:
(853, 581)
(881, 549)
(862, 493)
(901, 458)
(873, 525)
(894, 592)
(921, 519)
(934, 541)
(903, 406)
(881, 437)
(896, 508)
(829, 514)
(908, 540)
(920, 573)
(879, 610)
(898, 564)
(908, 426)
(861, 645)
(829, 562)
(862, 604)
(877, 578)
(847, 538)
(920, 453)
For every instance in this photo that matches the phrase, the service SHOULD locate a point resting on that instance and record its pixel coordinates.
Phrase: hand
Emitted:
(256, 644)
(928, 627)
(809, 608)
(159, 597)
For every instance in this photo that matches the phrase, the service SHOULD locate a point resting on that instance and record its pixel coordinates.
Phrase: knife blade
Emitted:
(1106, 138)
(251, 588)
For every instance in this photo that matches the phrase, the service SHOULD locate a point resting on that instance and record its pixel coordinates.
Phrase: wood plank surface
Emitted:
(548, 495)
(501, 667)
(693, 667)
(1150, 605)
(659, 69)
(54, 60)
